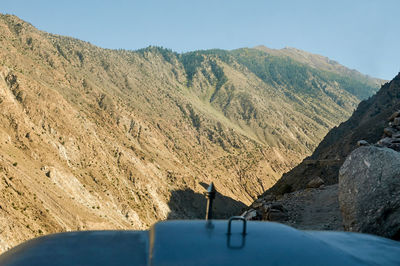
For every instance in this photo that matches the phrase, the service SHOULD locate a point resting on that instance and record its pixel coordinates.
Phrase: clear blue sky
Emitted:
(361, 34)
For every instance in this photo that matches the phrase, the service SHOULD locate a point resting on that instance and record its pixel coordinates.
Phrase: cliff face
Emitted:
(92, 138)
(366, 123)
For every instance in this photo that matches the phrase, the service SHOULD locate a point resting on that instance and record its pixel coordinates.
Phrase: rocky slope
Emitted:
(366, 123)
(367, 197)
(369, 185)
(92, 138)
(306, 209)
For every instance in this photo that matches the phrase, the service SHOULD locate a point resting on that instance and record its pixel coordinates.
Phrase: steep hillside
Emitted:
(324, 63)
(92, 138)
(366, 123)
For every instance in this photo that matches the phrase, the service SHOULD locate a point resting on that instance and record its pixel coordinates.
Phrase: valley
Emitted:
(94, 138)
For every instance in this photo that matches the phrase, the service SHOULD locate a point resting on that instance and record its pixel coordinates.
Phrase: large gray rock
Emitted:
(369, 191)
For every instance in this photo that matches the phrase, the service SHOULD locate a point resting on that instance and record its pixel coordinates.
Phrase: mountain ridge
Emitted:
(316, 61)
(94, 138)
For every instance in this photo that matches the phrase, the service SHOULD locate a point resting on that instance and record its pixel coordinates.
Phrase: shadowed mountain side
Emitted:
(187, 204)
(366, 123)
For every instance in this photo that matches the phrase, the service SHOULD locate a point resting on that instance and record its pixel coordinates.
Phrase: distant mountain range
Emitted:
(93, 138)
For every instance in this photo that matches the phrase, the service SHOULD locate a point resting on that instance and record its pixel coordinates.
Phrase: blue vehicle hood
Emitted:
(206, 243)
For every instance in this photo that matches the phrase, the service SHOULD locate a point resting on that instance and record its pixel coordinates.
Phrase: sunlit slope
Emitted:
(92, 138)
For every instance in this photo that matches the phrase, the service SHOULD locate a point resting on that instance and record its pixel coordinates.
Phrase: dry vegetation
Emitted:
(93, 138)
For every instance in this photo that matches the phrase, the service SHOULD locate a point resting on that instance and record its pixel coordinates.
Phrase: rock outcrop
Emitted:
(369, 191)
(391, 134)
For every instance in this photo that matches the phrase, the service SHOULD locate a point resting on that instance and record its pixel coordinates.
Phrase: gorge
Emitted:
(94, 138)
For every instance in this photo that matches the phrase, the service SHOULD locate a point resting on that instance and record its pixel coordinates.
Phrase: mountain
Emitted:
(93, 138)
(335, 187)
(366, 123)
(323, 63)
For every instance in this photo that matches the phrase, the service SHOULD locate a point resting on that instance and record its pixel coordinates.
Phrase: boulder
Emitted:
(277, 206)
(385, 142)
(389, 131)
(397, 135)
(269, 198)
(275, 212)
(369, 191)
(396, 121)
(315, 182)
(257, 204)
(362, 143)
(277, 215)
(394, 115)
(250, 215)
(395, 146)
